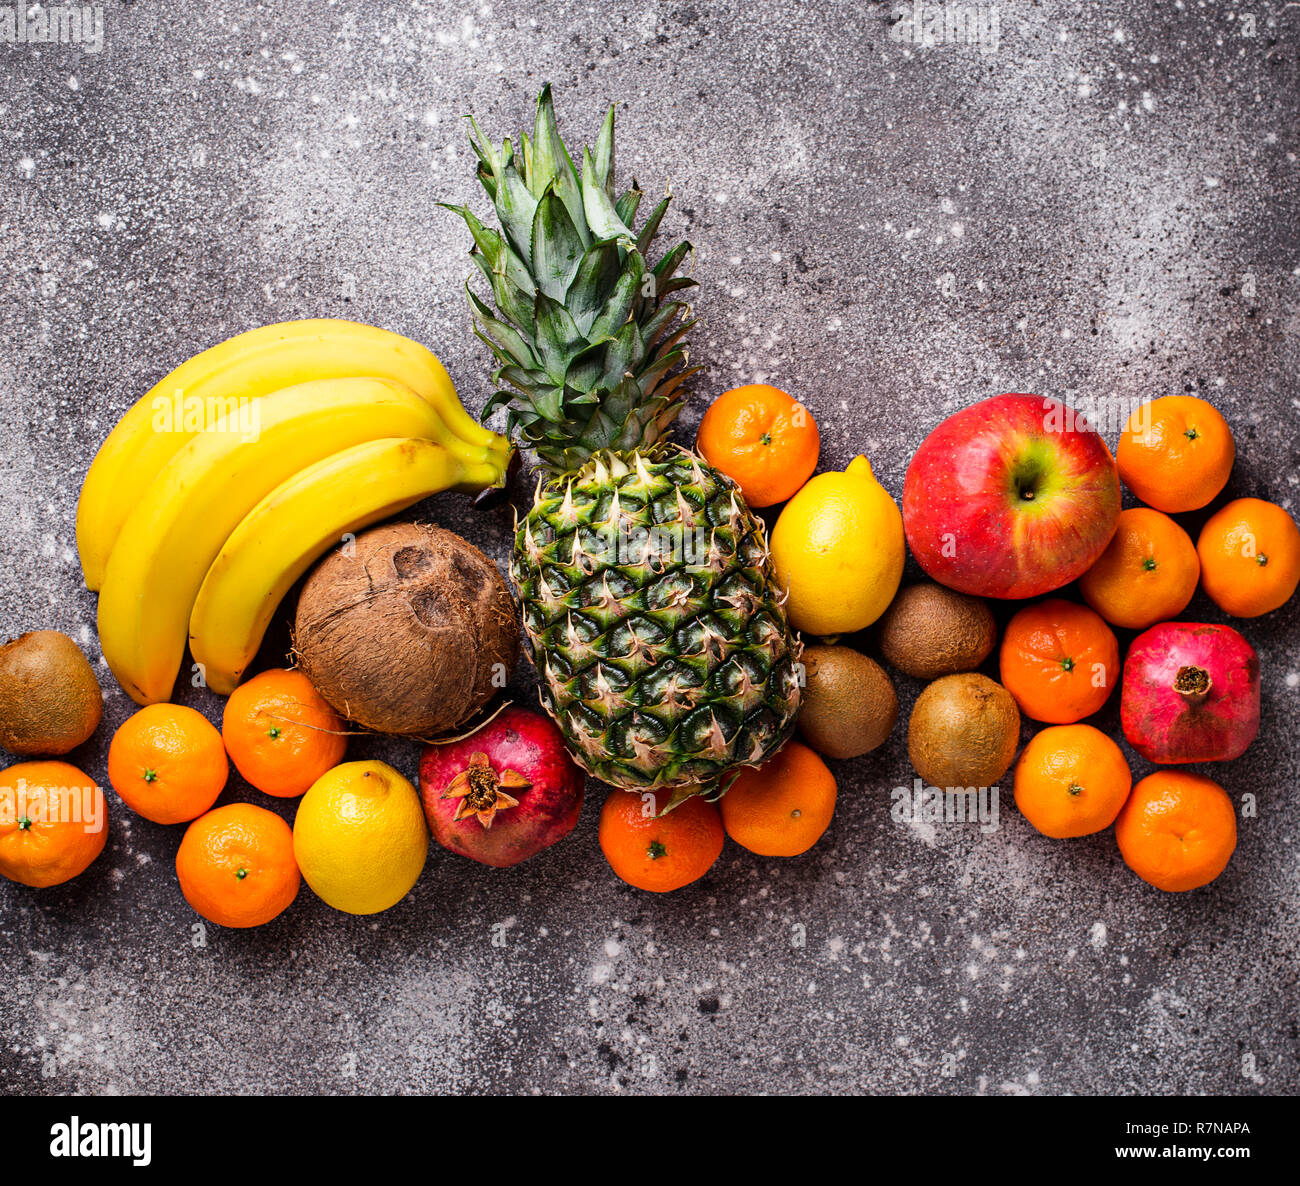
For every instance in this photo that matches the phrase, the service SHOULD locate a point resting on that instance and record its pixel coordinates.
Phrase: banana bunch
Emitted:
(218, 489)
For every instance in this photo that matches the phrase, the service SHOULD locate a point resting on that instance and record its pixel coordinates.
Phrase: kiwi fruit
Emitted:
(50, 700)
(963, 732)
(929, 631)
(849, 703)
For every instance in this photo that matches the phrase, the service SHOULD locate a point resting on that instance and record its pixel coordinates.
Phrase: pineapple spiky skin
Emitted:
(668, 667)
(662, 647)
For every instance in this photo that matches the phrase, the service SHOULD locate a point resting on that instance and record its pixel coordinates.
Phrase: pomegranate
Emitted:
(1191, 693)
(504, 793)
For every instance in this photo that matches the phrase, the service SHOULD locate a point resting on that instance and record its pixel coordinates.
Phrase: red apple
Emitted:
(1012, 497)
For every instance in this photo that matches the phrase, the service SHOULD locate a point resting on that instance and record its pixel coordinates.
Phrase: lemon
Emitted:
(838, 548)
(360, 837)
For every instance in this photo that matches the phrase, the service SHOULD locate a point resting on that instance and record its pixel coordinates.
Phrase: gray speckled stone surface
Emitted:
(1104, 206)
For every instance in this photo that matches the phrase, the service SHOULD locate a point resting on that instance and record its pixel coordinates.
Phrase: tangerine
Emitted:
(654, 852)
(1177, 831)
(1147, 574)
(1250, 557)
(1059, 660)
(53, 823)
(783, 807)
(167, 763)
(236, 865)
(281, 734)
(1071, 780)
(763, 439)
(1176, 453)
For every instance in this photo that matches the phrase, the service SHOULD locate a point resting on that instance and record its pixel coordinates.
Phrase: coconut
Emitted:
(410, 630)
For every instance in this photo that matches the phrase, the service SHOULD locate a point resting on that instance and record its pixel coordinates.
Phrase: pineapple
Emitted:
(649, 604)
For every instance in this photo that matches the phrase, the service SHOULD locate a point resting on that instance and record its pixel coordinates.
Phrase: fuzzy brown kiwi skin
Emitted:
(929, 631)
(849, 704)
(50, 701)
(963, 732)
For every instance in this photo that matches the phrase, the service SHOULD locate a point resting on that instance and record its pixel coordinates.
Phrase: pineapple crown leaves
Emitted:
(588, 339)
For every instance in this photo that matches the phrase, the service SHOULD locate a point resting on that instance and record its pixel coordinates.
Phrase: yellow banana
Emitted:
(299, 521)
(247, 366)
(170, 539)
